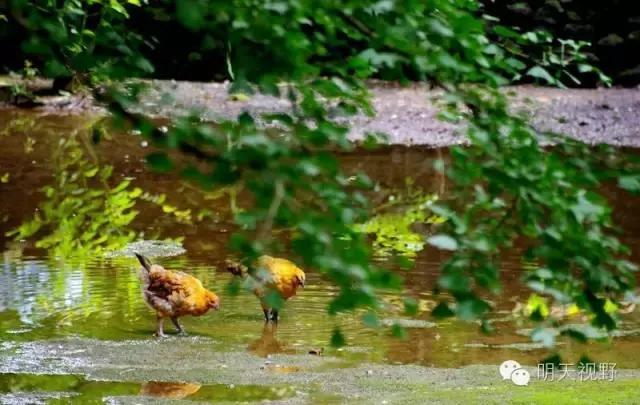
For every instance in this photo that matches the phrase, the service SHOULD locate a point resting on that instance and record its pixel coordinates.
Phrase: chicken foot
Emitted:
(270, 315)
(178, 326)
(160, 328)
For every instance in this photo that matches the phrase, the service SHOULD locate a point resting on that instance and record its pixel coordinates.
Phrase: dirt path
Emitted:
(406, 114)
(408, 117)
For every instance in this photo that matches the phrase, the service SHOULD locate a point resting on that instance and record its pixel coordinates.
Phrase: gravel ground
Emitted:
(408, 116)
(405, 113)
(197, 360)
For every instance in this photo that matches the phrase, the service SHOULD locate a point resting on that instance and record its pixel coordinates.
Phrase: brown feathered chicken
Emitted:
(173, 294)
(270, 274)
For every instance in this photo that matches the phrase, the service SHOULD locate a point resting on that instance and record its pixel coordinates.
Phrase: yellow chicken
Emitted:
(270, 274)
(173, 294)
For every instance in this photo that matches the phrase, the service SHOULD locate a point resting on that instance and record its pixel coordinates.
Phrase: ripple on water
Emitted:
(46, 298)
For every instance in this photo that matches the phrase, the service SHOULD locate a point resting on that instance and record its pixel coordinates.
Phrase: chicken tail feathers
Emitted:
(146, 263)
(236, 268)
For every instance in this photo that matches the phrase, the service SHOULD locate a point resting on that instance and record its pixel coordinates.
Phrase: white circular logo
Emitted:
(520, 377)
(508, 367)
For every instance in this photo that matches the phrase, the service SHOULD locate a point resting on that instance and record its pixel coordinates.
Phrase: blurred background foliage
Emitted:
(611, 27)
(318, 56)
(79, 40)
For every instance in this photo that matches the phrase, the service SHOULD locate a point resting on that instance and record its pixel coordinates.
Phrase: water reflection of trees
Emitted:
(87, 208)
(400, 223)
(15, 280)
(84, 211)
(33, 297)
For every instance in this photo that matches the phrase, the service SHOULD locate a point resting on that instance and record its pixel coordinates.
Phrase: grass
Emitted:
(538, 392)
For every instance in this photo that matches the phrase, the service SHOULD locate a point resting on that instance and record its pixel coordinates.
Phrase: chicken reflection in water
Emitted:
(172, 390)
(269, 343)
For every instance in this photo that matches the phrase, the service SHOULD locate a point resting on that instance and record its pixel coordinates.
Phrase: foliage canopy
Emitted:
(507, 185)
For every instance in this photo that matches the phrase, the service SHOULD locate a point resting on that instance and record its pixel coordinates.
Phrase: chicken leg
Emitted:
(178, 326)
(160, 327)
(270, 314)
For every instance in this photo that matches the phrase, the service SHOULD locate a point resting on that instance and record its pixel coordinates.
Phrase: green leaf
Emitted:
(379, 59)
(585, 209)
(546, 336)
(234, 286)
(274, 300)
(506, 32)
(455, 280)
(486, 327)
(410, 306)
(160, 162)
(191, 13)
(371, 319)
(539, 72)
(398, 331)
(554, 360)
(444, 242)
(584, 362)
(91, 172)
(337, 338)
(630, 183)
(469, 309)
(442, 310)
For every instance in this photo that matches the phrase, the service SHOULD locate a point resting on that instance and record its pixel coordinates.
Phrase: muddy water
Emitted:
(53, 290)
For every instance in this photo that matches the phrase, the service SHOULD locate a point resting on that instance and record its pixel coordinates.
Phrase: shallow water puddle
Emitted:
(53, 290)
(30, 388)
